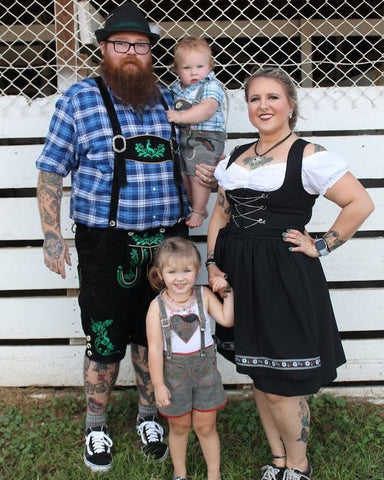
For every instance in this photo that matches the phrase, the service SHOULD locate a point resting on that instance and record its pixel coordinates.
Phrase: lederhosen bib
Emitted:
(183, 104)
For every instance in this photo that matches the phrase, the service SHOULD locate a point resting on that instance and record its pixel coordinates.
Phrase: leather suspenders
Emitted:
(119, 146)
(166, 323)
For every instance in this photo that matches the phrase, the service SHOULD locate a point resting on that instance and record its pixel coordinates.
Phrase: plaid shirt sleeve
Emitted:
(58, 155)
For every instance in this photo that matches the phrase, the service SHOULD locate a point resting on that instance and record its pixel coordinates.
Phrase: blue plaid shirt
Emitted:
(79, 142)
(212, 89)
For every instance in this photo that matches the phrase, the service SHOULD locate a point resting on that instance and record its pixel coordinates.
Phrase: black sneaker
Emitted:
(97, 454)
(296, 474)
(151, 433)
(272, 472)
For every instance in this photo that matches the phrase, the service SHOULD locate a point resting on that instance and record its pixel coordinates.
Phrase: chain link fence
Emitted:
(45, 45)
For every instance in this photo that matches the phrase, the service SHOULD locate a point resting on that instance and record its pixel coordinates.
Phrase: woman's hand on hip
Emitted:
(300, 242)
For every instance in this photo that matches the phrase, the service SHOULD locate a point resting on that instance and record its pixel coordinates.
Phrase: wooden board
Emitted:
(362, 153)
(53, 317)
(62, 365)
(355, 111)
(23, 268)
(24, 223)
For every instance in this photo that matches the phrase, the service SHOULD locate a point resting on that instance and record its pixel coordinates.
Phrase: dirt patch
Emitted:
(30, 396)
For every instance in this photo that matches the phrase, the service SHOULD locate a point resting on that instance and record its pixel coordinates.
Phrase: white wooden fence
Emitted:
(41, 341)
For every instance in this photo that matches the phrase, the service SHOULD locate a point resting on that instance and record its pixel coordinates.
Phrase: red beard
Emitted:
(135, 86)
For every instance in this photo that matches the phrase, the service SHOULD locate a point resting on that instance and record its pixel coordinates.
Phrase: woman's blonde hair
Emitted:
(172, 249)
(189, 44)
(287, 83)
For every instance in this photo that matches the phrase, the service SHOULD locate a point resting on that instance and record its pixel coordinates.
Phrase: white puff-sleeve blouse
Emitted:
(320, 171)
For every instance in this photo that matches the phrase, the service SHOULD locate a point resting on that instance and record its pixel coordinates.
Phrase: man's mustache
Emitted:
(130, 61)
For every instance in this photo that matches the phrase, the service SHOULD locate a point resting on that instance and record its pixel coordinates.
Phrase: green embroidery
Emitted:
(135, 257)
(148, 151)
(127, 279)
(139, 258)
(103, 344)
(148, 241)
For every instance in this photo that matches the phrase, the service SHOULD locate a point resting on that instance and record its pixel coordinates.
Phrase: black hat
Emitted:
(126, 18)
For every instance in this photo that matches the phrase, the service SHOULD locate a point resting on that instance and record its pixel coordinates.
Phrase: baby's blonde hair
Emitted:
(189, 44)
(171, 249)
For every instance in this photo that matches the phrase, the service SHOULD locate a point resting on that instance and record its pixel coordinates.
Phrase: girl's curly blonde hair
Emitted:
(172, 249)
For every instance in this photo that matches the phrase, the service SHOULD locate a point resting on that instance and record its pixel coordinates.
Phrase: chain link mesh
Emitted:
(47, 45)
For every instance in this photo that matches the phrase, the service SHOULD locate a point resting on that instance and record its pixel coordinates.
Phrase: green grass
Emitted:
(42, 438)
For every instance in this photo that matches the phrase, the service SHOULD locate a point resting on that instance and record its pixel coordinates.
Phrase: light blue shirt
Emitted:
(212, 89)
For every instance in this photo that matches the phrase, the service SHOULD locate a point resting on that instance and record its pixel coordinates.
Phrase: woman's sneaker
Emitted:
(272, 472)
(97, 453)
(151, 433)
(295, 474)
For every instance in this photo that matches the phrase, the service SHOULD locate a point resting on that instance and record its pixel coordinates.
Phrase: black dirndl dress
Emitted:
(285, 335)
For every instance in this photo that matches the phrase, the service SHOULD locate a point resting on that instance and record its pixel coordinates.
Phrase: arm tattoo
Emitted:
(48, 218)
(222, 201)
(53, 179)
(319, 148)
(211, 254)
(53, 244)
(333, 240)
(49, 194)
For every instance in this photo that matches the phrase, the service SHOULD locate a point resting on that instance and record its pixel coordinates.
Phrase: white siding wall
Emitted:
(41, 341)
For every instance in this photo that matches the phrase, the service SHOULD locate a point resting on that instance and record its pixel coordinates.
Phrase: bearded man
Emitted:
(112, 135)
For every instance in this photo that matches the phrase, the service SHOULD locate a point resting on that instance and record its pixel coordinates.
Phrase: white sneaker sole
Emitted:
(96, 468)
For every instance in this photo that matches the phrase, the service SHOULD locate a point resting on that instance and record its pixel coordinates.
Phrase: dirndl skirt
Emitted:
(285, 335)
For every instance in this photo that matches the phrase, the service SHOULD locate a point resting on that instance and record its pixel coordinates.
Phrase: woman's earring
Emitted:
(290, 114)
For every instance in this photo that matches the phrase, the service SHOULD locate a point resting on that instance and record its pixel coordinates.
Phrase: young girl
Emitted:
(199, 99)
(181, 353)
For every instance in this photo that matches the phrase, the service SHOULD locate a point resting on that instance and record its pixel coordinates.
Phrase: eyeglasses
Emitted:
(123, 47)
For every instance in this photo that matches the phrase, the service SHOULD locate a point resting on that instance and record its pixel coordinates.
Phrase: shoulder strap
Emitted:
(295, 161)
(199, 92)
(174, 146)
(203, 320)
(237, 151)
(175, 159)
(166, 326)
(118, 145)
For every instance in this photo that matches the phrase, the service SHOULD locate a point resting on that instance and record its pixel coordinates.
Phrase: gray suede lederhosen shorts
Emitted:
(200, 146)
(194, 383)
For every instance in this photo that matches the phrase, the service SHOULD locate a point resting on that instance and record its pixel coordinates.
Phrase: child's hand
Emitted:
(205, 175)
(173, 116)
(162, 396)
(221, 285)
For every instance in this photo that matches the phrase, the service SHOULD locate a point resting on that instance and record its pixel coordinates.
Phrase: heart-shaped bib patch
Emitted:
(185, 325)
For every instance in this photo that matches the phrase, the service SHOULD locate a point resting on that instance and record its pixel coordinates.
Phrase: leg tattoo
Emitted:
(304, 415)
(143, 380)
(99, 380)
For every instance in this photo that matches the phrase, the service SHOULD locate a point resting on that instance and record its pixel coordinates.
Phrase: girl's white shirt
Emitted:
(320, 171)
